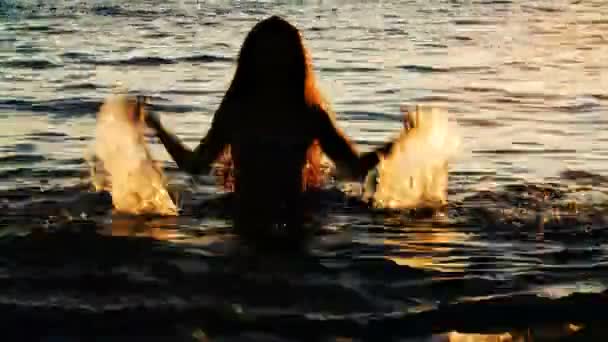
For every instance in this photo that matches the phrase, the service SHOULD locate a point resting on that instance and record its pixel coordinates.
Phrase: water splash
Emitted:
(415, 174)
(123, 164)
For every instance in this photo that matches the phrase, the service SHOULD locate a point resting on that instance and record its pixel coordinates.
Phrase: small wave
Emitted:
(527, 143)
(39, 174)
(107, 10)
(471, 22)
(369, 116)
(204, 59)
(144, 61)
(82, 86)
(117, 11)
(173, 108)
(73, 161)
(555, 131)
(494, 2)
(525, 66)
(545, 9)
(600, 96)
(70, 107)
(35, 28)
(155, 35)
(517, 151)
(439, 98)
(481, 89)
(433, 45)
(207, 23)
(57, 31)
(52, 15)
(479, 122)
(436, 69)
(80, 138)
(388, 91)
(461, 38)
(134, 61)
(29, 64)
(63, 107)
(584, 176)
(317, 29)
(483, 314)
(579, 106)
(504, 99)
(77, 55)
(423, 68)
(24, 147)
(470, 69)
(222, 44)
(22, 158)
(27, 49)
(48, 136)
(348, 69)
(187, 92)
(531, 95)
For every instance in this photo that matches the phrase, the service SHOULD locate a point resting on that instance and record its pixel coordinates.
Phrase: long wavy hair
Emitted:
(273, 51)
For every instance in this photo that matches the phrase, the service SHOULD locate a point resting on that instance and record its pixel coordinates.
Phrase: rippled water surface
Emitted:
(526, 80)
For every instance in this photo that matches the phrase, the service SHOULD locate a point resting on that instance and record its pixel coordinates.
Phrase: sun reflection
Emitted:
(428, 248)
(133, 226)
(459, 337)
(550, 332)
(566, 289)
(169, 229)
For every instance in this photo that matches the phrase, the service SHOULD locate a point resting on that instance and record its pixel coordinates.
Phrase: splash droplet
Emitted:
(122, 163)
(415, 174)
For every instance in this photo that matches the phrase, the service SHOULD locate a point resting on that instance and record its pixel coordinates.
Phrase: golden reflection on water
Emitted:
(164, 229)
(548, 333)
(459, 337)
(428, 245)
(159, 229)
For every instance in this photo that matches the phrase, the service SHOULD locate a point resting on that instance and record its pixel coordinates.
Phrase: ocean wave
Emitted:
(82, 58)
(32, 64)
(440, 69)
(67, 107)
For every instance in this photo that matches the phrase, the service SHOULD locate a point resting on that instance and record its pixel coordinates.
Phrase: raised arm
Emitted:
(338, 147)
(197, 161)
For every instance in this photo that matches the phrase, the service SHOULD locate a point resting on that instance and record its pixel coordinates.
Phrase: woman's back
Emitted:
(270, 155)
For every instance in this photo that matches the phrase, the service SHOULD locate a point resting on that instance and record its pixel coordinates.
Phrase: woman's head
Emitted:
(273, 60)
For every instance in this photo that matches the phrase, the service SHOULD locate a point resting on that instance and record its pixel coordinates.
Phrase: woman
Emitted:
(272, 124)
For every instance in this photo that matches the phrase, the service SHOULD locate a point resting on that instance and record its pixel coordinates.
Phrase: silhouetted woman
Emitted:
(272, 124)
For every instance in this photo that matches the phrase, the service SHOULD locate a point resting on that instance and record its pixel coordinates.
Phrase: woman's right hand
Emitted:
(409, 122)
(151, 119)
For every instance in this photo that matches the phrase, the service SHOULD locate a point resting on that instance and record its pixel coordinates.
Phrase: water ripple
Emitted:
(32, 64)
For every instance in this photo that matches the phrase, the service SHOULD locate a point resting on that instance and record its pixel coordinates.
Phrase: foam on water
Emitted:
(415, 174)
(123, 164)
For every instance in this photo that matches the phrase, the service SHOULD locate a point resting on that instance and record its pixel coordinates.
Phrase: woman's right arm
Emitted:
(338, 147)
(195, 161)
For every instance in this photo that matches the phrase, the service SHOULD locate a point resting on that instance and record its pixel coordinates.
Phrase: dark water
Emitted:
(525, 229)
